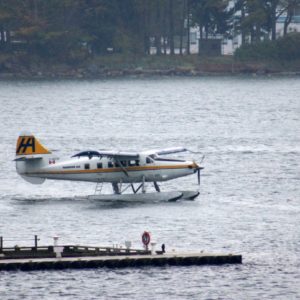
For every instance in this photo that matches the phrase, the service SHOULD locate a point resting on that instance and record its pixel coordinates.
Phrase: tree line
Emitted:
(60, 28)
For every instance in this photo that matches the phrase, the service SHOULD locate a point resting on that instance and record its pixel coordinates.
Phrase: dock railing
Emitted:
(66, 251)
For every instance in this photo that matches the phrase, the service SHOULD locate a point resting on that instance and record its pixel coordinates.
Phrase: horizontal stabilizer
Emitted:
(33, 180)
(23, 158)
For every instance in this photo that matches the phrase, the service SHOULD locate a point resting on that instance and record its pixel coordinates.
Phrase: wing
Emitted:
(116, 155)
(165, 151)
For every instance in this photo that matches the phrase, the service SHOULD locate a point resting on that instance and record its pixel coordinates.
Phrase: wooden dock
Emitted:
(119, 261)
(59, 257)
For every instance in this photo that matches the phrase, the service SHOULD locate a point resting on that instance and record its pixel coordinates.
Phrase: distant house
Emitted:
(219, 45)
(211, 46)
(294, 25)
(230, 45)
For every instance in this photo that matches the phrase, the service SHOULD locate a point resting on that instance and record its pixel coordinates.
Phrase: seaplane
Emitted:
(129, 173)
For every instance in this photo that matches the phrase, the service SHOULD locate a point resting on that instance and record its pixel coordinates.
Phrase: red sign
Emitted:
(146, 238)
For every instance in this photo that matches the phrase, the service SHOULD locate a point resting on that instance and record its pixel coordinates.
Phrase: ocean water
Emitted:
(248, 128)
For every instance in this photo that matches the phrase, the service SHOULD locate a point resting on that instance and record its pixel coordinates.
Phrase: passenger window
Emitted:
(117, 165)
(110, 164)
(99, 165)
(148, 160)
(137, 162)
(131, 163)
(87, 166)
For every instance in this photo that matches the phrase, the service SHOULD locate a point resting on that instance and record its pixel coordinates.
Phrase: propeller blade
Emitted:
(198, 175)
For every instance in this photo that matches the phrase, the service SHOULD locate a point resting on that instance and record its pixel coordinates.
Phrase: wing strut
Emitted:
(122, 167)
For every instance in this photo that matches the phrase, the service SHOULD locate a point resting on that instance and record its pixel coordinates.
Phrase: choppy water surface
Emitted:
(249, 131)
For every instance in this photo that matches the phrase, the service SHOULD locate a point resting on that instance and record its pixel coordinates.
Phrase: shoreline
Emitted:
(110, 74)
(117, 66)
(113, 74)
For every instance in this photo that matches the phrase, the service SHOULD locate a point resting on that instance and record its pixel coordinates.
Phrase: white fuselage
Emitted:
(96, 169)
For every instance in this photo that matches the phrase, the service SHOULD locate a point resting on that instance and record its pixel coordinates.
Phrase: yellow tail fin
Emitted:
(29, 145)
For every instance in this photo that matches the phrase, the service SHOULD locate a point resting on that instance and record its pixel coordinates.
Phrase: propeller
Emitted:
(198, 169)
(198, 175)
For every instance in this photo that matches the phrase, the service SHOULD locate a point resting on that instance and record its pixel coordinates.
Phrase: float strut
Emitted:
(133, 189)
(143, 185)
(156, 186)
(115, 188)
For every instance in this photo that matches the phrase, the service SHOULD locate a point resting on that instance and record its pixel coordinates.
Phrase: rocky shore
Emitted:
(103, 68)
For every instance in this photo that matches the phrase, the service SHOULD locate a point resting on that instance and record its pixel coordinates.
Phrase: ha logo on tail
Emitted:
(30, 157)
(28, 145)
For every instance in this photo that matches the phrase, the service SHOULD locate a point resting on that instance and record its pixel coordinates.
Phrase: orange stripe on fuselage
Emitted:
(113, 170)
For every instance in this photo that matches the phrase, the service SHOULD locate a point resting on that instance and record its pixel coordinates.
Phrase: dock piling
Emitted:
(35, 241)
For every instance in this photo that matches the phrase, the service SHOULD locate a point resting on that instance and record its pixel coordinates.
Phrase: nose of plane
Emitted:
(196, 168)
(193, 165)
